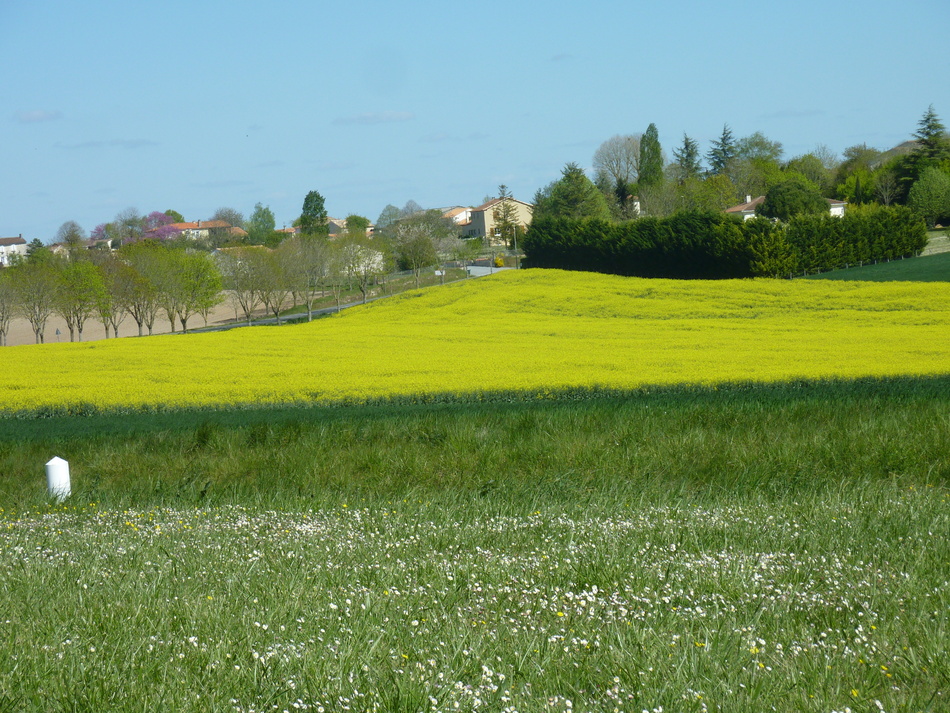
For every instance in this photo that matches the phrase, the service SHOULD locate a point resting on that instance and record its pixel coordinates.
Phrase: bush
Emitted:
(706, 245)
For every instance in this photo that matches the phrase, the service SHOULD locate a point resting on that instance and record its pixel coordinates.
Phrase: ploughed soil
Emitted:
(22, 333)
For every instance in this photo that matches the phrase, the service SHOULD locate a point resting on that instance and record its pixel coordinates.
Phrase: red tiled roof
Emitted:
(12, 241)
(496, 201)
(201, 225)
(750, 206)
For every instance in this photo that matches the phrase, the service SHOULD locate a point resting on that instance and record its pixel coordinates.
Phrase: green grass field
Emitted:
(736, 544)
(740, 549)
(927, 268)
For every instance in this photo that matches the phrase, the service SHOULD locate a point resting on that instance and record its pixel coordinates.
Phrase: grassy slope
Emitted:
(757, 548)
(704, 443)
(526, 330)
(928, 268)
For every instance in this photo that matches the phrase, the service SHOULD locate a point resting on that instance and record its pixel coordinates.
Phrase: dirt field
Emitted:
(22, 333)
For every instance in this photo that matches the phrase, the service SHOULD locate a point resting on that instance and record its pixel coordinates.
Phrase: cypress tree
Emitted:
(651, 158)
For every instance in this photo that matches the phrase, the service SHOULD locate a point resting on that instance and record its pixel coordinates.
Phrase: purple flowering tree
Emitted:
(158, 226)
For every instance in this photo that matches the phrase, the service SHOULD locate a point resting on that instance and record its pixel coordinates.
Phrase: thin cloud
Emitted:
(793, 114)
(112, 143)
(376, 117)
(562, 57)
(38, 116)
(224, 183)
(450, 138)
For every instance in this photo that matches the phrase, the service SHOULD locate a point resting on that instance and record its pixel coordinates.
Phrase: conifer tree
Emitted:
(651, 158)
(722, 153)
(687, 160)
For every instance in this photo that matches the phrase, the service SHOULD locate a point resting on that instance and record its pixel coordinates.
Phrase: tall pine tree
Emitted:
(722, 153)
(687, 160)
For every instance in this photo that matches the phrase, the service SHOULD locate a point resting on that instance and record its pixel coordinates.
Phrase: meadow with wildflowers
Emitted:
(524, 331)
(821, 605)
(770, 530)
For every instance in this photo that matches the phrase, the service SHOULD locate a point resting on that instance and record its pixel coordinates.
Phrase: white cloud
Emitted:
(116, 143)
(37, 116)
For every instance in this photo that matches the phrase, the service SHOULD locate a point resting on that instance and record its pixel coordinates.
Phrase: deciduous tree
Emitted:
(231, 216)
(277, 280)
(8, 304)
(260, 226)
(617, 161)
(929, 197)
(72, 236)
(418, 240)
(357, 225)
(35, 286)
(242, 275)
(79, 290)
(312, 259)
(359, 262)
(794, 196)
(389, 215)
(118, 279)
(313, 216)
(758, 147)
(145, 259)
(129, 225)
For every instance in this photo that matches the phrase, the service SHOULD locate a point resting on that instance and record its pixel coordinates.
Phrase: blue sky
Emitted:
(201, 104)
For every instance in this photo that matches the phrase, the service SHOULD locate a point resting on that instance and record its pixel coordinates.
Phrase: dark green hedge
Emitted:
(693, 245)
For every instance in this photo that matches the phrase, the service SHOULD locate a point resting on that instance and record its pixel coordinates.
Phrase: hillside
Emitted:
(934, 267)
(527, 331)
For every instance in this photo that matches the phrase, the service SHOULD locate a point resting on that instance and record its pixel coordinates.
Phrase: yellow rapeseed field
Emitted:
(527, 330)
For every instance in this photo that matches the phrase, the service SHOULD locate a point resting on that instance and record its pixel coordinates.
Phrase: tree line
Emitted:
(713, 245)
(139, 281)
(632, 177)
(154, 273)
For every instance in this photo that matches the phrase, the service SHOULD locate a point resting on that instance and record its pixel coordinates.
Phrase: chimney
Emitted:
(748, 199)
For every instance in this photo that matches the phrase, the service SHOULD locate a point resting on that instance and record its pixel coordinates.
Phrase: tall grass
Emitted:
(737, 549)
(652, 444)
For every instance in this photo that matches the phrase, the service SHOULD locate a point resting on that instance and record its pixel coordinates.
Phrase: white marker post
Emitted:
(57, 478)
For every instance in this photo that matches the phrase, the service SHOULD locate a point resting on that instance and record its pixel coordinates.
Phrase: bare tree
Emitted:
(129, 225)
(617, 160)
(71, 235)
(232, 217)
(275, 283)
(7, 304)
(310, 261)
(35, 286)
(118, 279)
(242, 273)
(360, 263)
(143, 300)
(887, 188)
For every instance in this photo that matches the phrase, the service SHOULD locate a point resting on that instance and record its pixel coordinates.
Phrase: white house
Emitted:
(836, 208)
(747, 209)
(10, 247)
(482, 219)
(460, 215)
